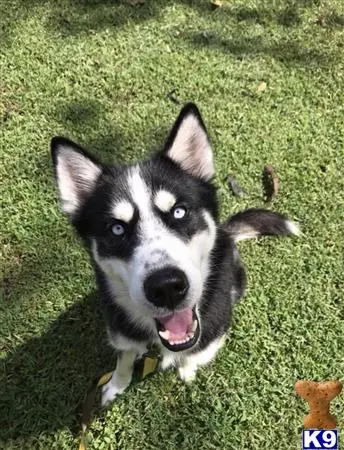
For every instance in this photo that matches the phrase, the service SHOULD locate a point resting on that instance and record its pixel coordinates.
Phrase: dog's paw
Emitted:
(187, 373)
(109, 393)
(111, 389)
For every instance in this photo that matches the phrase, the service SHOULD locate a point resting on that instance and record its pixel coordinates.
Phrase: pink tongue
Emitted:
(178, 323)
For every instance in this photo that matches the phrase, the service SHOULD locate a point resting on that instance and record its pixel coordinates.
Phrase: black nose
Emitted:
(166, 287)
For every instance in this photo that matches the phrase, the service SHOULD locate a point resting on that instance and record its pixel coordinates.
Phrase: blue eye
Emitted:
(179, 212)
(117, 229)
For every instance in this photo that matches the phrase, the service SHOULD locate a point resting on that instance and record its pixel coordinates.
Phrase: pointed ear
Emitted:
(188, 143)
(76, 173)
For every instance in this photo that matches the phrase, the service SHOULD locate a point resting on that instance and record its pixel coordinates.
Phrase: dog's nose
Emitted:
(166, 287)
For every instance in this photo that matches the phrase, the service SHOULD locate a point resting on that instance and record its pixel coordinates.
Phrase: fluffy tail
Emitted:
(259, 222)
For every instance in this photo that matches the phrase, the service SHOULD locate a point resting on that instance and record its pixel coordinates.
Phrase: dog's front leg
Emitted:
(187, 370)
(121, 377)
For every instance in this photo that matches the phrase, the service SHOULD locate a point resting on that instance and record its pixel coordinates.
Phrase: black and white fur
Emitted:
(162, 261)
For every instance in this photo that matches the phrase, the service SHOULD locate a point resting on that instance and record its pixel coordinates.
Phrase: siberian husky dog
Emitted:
(168, 272)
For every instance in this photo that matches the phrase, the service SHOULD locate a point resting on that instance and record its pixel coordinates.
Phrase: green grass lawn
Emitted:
(99, 72)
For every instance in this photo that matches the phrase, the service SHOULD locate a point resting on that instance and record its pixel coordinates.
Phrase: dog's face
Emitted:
(150, 226)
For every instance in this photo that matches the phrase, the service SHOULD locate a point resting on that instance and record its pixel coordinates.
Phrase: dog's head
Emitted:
(150, 226)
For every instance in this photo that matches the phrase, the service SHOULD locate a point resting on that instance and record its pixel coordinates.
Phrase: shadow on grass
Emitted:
(331, 20)
(75, 17)
(84, 117)
(29, 272)
(80, 112)
(291, 50)
(287, 51)
(46, 378)
(80, 17)
(288, 16)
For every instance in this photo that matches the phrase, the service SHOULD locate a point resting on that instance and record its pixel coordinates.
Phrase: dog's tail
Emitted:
(259, 222)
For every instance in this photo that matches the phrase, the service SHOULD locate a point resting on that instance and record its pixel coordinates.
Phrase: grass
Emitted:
(99, 72)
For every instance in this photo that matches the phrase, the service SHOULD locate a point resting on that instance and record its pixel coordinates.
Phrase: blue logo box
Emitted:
(319, 440)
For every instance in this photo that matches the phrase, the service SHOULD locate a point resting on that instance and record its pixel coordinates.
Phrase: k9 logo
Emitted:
(319, 439)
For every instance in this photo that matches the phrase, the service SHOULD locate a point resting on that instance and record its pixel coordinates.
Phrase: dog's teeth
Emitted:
(165, 334)
(194, 326)
(179, 341)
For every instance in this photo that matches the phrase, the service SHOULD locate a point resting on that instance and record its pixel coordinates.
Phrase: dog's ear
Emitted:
(188, 143)
(76, 173)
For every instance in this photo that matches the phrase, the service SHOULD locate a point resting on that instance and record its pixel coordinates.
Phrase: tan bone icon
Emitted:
(318, 395)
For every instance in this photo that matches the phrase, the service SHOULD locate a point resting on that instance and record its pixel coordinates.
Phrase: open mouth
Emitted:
(179, 330)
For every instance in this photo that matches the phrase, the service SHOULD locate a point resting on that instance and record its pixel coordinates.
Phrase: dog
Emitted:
(168, 272)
